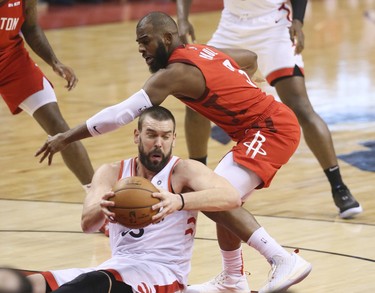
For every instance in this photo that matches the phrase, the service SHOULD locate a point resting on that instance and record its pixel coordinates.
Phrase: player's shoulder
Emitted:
(29, 4)
(174, 72)
(110, 167)
(185, 166)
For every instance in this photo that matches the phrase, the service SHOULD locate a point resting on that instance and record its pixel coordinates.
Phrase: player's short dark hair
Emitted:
(158, 113)
(160, 21)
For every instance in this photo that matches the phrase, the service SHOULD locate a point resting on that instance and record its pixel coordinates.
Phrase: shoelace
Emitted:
(220, 278)
(271, 274)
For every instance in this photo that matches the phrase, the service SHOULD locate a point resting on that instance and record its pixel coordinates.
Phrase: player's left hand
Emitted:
(67, 73)
(169, 203)
(296, 36)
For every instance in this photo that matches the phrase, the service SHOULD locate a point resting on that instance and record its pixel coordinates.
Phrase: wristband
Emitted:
(298, 9)
(183, 201)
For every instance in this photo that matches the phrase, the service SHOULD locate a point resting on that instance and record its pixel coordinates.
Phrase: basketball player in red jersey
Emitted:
(217, 85)
(273, 30)
(23, 86)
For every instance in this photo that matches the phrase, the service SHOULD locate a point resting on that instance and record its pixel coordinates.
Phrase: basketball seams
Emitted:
(134, 188)
(131, 208)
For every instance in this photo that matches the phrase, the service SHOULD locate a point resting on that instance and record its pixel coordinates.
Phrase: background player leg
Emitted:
(197, 132)
(75, 155)
(292, 91)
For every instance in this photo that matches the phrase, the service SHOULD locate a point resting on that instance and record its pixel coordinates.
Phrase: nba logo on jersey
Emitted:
(256, 145)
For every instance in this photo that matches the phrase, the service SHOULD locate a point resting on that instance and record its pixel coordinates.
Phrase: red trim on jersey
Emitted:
(121, 170)
(283, 72)
(50, 279)
(284, 7)
(175, 286)
(116, 274)
(170, 175)
(133, 167)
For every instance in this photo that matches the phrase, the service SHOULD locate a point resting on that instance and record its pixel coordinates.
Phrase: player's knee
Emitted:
(94, 282)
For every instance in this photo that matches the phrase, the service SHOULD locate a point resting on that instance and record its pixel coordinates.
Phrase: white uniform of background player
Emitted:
(262, 27)
(134, 251)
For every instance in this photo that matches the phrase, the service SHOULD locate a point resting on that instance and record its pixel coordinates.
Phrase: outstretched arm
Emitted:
(38, 42)
(154, 92)
(104, 121)
(185, 28)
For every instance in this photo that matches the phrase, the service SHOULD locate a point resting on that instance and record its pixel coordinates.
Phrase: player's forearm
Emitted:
(210, 200)
(92, 219)
(77, 133)
(113, 117)
(183, 9)
(299, 8)
(38, 42)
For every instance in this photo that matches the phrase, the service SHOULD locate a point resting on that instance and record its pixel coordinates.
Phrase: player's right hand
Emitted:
(105, 204)
(296, 36)
(52, 145)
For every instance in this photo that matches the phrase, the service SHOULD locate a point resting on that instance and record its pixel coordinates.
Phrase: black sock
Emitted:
(202, 160)
(334, 177)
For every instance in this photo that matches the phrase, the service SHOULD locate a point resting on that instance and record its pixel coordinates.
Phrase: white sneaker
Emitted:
(222, 283)
(286, 272)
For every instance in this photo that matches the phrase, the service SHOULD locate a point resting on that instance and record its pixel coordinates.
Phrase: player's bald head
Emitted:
(159, 22)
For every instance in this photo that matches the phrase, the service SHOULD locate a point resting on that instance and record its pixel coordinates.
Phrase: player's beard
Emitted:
(160, 59)
(154, 165)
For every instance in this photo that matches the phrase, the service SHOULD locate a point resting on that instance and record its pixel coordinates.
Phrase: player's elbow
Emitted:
(233, 199)
(87, 226)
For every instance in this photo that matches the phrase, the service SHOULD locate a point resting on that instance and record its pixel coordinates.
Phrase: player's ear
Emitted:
(174, 140)
(136, 136)
(168, 39)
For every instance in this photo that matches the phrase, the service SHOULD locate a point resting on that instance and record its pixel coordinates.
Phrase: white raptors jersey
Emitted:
(252, 8)
(169, 241)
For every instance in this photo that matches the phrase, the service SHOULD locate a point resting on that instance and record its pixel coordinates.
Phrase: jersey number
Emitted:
(229, 65)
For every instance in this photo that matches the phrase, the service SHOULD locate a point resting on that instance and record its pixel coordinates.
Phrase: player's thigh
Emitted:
(243, 179)
(39, 98)
(292, 92)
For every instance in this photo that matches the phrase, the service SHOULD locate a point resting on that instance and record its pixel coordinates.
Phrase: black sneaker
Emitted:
(345, 201)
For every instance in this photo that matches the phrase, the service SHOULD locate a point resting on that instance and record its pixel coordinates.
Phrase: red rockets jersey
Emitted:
(231, 100)
(12, 17)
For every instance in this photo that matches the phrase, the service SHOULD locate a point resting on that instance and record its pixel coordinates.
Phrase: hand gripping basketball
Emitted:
(133, 202)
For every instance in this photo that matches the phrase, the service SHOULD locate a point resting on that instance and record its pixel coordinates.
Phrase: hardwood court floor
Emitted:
(41, 205)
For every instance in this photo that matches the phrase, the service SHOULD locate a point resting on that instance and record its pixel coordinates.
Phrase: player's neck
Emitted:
(142, 171)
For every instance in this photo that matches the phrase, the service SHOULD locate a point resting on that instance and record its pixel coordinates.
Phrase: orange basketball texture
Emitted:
(133, 202)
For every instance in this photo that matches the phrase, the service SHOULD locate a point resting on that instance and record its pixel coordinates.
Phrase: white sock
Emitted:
(233, 262)
(266, 245)
(86, 188)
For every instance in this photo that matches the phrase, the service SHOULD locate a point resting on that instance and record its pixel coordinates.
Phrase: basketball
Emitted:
(133, 202)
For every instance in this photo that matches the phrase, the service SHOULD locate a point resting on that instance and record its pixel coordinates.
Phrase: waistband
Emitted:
(258, 15)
